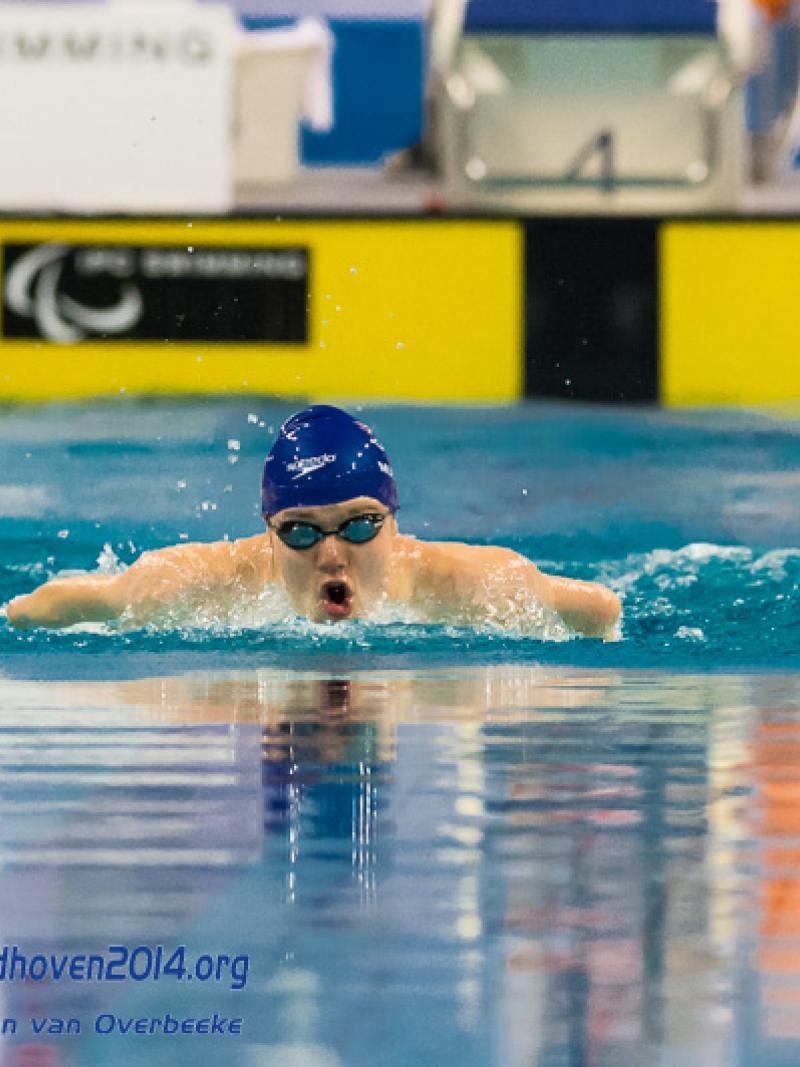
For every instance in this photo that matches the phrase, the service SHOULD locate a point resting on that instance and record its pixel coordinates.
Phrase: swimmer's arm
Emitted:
(588, 608)
(66, 601)
(156, 583)
(490, 582)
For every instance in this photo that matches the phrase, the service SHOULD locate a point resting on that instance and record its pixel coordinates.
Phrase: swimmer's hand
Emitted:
(588, 608)
(180, 578)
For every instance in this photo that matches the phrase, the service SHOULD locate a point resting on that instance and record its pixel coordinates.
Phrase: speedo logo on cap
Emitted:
(301, 467)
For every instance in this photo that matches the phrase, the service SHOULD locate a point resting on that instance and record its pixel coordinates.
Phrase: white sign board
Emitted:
(120, 107)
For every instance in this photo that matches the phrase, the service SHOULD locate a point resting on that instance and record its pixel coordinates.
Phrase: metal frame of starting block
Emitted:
(595, 117)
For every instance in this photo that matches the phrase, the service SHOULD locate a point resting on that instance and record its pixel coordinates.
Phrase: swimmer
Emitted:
(332, 544)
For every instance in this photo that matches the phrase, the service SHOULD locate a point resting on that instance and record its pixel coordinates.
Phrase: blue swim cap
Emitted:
(323, 456)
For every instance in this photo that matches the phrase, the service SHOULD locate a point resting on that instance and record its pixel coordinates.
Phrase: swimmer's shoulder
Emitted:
(251, 558)
(442, 569)
(246, 561)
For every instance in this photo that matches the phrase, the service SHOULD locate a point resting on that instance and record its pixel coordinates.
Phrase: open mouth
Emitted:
(337, 599)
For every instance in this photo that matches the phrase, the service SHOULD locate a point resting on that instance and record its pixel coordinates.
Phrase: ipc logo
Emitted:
(34, 290)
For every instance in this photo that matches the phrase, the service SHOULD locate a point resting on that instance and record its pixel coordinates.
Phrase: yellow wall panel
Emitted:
(399, 310)
(730, 312)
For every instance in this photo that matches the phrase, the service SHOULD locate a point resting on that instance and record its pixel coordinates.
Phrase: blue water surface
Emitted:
(434, 845)
(691, 516)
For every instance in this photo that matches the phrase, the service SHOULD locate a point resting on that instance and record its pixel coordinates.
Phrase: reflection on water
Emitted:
(507, 866)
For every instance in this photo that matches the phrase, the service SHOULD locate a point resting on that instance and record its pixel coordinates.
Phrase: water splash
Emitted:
(701, 606)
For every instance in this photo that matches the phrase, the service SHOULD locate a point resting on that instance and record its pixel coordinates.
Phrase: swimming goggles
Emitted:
(357, 531)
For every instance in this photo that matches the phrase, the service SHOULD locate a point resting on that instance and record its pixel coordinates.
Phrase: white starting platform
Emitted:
(576, 106)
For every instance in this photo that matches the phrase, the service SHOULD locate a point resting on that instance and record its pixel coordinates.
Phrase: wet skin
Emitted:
(442, 582)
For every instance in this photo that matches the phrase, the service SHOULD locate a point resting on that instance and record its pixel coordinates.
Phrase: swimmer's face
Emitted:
(334, 579)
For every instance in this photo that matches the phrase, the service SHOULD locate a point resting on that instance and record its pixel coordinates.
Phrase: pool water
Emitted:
(692, 518)
(435, 845)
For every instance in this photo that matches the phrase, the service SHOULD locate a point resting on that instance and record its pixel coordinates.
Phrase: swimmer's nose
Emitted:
(331, 558)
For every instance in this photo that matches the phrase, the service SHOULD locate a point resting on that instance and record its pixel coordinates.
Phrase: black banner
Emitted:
(591, 308)
(70, 293)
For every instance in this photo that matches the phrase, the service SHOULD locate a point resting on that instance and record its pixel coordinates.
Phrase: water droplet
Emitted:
(400, 344)
(252, 418)
(353, 270)
(181, 484)
(63, 534)
(233, 444)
